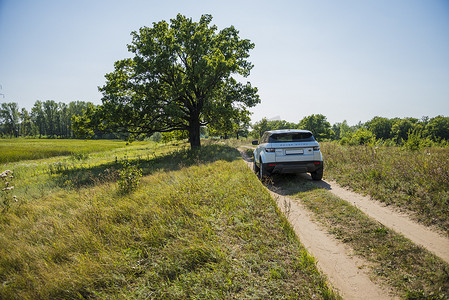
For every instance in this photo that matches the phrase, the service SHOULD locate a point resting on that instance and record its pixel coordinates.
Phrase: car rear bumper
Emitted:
(293, 167)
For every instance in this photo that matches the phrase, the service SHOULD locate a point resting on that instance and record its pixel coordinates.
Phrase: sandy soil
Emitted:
(345, 272)
(395, 220)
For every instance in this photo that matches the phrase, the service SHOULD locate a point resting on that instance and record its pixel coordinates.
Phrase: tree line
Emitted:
(50, 119)
(46, 119)
(410, 132)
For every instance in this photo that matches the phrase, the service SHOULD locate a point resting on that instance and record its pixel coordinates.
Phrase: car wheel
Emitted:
(262, 172)
(317, 175)
(255, 168)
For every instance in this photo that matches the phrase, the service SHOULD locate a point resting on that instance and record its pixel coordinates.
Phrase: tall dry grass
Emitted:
(199, 225)
(414, 180)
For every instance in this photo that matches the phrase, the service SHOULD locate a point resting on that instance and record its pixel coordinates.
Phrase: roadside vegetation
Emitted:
(417, 181)
(195, 225)
(412, 271)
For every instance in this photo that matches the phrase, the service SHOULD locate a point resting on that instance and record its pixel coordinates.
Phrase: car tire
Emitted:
(255, 168)
(262, 172)
(317, 175)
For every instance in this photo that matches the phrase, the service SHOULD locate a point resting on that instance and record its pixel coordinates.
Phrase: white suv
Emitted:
(288, 151)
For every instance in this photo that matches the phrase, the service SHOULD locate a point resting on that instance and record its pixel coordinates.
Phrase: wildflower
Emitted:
(5, 174)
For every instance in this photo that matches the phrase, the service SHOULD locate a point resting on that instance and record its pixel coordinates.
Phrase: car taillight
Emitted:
(270, 149)
(316, 148)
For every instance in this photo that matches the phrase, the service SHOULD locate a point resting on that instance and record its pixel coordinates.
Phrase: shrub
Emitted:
(416, 141)
(156, 137)
(361, 137)
(6, 189)
(130, 177)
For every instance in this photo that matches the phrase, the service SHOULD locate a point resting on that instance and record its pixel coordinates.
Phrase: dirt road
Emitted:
(399, 222)
(344, 271)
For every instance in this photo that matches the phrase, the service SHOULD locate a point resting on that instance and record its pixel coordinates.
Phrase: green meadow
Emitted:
(12, 150)
(199, 224)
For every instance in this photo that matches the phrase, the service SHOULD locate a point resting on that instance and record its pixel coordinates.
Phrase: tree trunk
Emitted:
(194, 132)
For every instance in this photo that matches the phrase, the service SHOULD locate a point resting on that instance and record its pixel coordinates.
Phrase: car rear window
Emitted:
(291, 137)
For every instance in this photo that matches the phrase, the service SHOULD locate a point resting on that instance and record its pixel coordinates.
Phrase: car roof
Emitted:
(289, 131)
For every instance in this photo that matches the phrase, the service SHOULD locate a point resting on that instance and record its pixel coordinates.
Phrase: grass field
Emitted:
(414, 180)
(12, 150)
(199, 225)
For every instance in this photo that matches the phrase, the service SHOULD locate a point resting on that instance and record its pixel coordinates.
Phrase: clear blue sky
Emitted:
(348, 59)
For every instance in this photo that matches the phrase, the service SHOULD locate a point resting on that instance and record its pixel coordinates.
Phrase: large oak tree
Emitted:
(180, 78)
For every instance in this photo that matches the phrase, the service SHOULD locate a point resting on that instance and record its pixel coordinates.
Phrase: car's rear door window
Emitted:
(292, 137)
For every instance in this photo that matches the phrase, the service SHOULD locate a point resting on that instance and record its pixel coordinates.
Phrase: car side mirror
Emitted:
(255, 143)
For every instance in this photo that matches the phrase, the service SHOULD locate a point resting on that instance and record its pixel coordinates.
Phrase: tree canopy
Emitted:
(9, 117)
(318, 124)
(180, 78)
(380, 127)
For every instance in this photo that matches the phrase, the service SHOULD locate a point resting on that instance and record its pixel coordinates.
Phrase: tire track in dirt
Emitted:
(344, 271)
(399, 222)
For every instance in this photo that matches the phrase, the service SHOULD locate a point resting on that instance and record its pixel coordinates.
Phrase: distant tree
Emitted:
(361, 137)
(318, 125)
(156, 137)
(401, 129)
(341, 130)
(179, 79)
(336, 129)
(9, 118)
(63, 120)
(260, 127)
(241, 124)
(425, 120)
(281, 124)
(26, 126)
(438, 128)
(380, 127)
(75, 108)
(38, 118)
(50, 110)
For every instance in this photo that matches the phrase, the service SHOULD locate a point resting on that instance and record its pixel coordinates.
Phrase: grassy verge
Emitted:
(415, 180)
(411, 270)
(198, 226)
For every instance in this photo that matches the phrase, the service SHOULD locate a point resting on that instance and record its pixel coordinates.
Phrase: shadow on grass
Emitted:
(176, 160)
